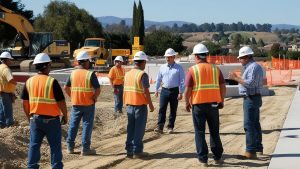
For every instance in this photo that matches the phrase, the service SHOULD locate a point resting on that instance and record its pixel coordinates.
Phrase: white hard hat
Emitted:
(170, 52)
(82, 55)
(119, 58)
(5, 55)
(140, 55)
(41, 58)
(199, 49)
(244, 51)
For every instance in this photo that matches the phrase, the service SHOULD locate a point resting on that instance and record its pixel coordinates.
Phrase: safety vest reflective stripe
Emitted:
(46, 98)
(133, 89)
(82, 90)
(137, 86)
(119, 75)
(206, 88)
(41, 96)
(199, 86)
(87, 84)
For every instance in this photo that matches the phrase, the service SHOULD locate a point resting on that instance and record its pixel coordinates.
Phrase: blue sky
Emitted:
(196, 11)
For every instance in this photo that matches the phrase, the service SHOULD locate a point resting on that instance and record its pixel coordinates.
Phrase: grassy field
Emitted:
(190, 39)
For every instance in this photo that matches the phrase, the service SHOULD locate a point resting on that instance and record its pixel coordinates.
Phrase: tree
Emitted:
(118, 28)
(68, 22)
(141, 25)
(158, 41)
(253, 41)
(138, 26)
(275, 50)
(7, 32)
(261, 43)
(237, 41)
(213, 48)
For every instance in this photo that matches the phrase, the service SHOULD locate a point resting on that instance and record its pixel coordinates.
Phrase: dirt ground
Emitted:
(167, 150)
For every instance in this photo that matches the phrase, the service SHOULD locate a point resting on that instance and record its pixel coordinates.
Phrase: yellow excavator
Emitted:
(29, 43)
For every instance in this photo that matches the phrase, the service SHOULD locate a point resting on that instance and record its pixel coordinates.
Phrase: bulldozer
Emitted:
(29, 43)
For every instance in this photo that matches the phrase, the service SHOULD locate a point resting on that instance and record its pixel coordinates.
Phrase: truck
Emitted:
(29, 43)
(101, 56)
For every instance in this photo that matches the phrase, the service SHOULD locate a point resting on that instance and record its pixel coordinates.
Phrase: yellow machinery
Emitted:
(101, 56)
(28, 43)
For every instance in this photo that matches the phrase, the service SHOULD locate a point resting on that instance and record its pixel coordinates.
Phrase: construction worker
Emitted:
(250, 87)
(116, 77)
(204, 93)
(44, 104)
(137, 97)
(171, 75)
(7, 91)
(83, 88)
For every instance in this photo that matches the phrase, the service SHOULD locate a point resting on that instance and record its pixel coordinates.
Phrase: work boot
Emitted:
(219, 161)
(158, 130)
(140, 155)
(170, 131)
(203, 163)
(249, 155)
(129, 155)
(70, 151)
(260, 152)
(88, 152)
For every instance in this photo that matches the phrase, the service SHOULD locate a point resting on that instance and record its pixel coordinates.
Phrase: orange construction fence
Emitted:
(222, 59)
(285, 64)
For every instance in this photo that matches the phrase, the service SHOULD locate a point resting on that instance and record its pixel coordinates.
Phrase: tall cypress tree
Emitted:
(141, 25)
(134, 27)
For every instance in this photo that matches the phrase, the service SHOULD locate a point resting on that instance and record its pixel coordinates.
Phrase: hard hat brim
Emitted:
(168, 55)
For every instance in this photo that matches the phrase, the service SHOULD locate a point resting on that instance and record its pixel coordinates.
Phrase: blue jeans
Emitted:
(87, 114)
(118, 96)
(252, 126)
(201, 114)
(137, 119)
(166, 96)
(40, 127)
(6, 110)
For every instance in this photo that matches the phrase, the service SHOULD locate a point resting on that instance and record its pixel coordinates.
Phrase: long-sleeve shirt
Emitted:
(171, 76)
(253, 78)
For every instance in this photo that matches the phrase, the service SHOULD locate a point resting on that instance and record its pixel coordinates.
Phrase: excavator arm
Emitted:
(20, 23)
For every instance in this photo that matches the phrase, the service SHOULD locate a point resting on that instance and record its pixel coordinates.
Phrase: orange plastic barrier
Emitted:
(285, 64)
(278, 77)
(222, 59)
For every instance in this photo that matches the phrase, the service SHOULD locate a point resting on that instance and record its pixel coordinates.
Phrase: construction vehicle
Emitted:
(101, 56)
(29, 43)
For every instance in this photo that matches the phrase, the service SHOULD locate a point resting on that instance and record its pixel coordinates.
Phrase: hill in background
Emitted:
(108, 20)
(105, 20)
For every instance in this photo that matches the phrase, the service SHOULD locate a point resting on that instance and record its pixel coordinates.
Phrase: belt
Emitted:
(173, 88)
(44, 118)
(251, 95)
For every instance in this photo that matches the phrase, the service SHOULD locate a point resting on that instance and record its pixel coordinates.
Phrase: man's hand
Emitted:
(188, 107)
(64, 120)
(156, 94)
(232, 75)
(151, 107)
(221, 105)
(179, 96)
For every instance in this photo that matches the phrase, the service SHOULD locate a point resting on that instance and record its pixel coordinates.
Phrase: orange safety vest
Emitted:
(117, 75)
(81, 88)
(133, 89)
(41, 97)
(206, 87)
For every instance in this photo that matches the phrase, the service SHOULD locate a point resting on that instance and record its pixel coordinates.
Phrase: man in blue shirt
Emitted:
(171, 75)
(250, 87)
